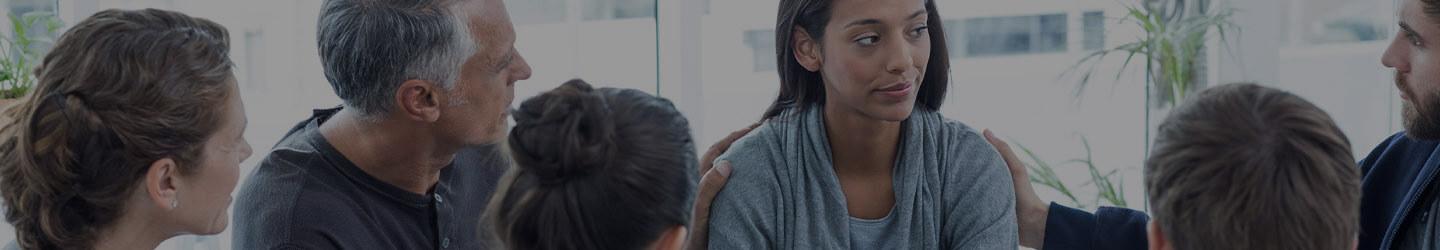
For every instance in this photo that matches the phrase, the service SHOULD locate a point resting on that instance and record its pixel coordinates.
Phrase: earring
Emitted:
(174, 203)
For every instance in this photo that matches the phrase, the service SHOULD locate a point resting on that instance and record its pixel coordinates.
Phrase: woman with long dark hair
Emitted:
(854, 153)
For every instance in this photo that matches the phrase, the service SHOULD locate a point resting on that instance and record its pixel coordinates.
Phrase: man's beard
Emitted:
(1421, 114)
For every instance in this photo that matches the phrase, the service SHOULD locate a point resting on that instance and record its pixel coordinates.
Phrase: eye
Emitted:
(920, 31)
(868, 40)
(1414, 39)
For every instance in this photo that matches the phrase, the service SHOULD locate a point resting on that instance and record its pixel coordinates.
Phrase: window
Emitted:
(38, 30)
(610, 43)
(1338, 21)
(1094, 30)
(762, 47)
(537, 11)
(1013, 35)
(619, 9)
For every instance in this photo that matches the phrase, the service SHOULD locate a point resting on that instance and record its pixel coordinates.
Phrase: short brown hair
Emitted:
(1242, 166)
(119, 91)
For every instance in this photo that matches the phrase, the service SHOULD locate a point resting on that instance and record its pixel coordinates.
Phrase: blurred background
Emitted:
(1018, 67)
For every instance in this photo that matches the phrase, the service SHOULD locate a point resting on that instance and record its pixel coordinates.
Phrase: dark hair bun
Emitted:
(594, 168)
(586, 139)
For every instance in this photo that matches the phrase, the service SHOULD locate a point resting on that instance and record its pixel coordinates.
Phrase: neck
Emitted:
(861, 144)
(402, 153)
(131, 232)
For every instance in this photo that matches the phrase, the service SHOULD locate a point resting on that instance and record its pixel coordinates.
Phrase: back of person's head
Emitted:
(595, 169)
(1241, 166)
(119, 91)
(369, 47)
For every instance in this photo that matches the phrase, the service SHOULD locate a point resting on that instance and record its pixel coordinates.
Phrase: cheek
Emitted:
(219, 178)
(851, 74)
(496, 94)
(231, 177)
(922, 57)
(1424, 72)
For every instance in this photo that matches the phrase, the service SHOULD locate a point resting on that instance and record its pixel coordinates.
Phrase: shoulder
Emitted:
(1398, 150)
(281, 174)
(963, 148)
(273, 210)
(285, 193)
(753, 182)
(754, 145)
(968, 162)
(752, 159)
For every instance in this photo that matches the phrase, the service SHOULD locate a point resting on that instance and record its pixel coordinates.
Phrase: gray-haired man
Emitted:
(408, 161)
(402, 164)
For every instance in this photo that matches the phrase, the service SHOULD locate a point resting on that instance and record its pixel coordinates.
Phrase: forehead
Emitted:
(488, 21)
(848, 10)
(490, 27)
(1412, 14)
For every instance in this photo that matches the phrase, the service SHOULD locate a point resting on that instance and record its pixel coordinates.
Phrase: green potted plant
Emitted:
(1109, 186)
(22, 50)
(1173, 48)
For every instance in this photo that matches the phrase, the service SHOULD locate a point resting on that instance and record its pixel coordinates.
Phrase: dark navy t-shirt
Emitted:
(306, 195)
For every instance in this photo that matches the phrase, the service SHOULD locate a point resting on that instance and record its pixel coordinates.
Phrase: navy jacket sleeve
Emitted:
(1108, 228)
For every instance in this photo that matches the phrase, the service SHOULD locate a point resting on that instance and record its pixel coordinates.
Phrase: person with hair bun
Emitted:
(596, 169)
(134, 134)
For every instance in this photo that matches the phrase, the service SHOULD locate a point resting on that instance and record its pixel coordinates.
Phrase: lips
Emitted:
(896, 91)
(1403, 88)
(895, 87)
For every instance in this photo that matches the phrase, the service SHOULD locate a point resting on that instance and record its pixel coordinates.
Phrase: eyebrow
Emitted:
(917, 14)
(1406, 28)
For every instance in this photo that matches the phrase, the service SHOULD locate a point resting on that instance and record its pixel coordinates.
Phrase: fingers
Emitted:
(710, 185)
(1030, 212)
(1017, 167)
(721, 146)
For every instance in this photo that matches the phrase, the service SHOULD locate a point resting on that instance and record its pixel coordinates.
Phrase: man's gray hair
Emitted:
(369, 47)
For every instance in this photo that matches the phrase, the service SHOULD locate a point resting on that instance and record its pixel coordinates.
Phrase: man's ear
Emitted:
(1156, 237)
(161, 185)
(418, 100)
(807, 50)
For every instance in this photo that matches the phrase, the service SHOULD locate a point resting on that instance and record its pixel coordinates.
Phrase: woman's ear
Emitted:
(807, 50)
(1157, 237)
(672, 239)
(160, 184)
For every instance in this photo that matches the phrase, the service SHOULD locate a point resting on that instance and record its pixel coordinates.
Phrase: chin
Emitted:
(215, 227)
(489, 136)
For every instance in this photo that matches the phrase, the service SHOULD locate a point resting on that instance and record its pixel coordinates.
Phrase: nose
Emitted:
(1397, 54)
(245, 150)
(521, 68)
(899, 60)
